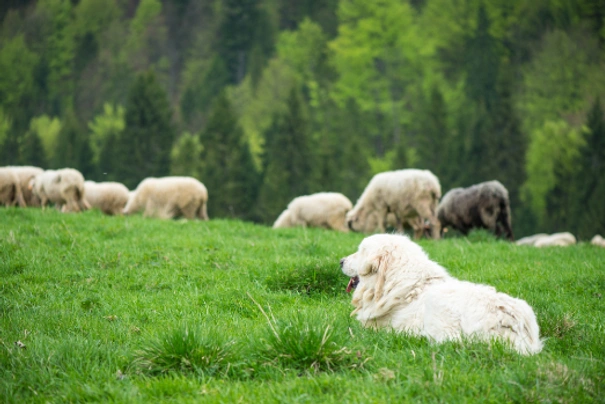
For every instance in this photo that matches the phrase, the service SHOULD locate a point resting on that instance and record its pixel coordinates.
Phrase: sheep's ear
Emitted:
(30, 184)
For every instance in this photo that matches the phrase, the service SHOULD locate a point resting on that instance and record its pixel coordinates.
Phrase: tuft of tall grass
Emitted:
(308, 342)
(186, 351)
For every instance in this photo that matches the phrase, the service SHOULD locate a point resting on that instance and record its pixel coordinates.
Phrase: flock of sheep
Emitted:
(66, 189)
(400, 199)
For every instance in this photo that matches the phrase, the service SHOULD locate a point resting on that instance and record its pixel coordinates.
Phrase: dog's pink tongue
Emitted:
(352, 283)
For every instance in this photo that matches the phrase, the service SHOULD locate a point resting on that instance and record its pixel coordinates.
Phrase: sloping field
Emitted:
(113, 309)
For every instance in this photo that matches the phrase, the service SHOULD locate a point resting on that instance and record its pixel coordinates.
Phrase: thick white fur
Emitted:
(109, 197)
(169, 197)
(548, 240)
(10, 188)
(64, 188)
(401, 288)
(25, 174)
(530, 240)
(407, 194)
(324, 209)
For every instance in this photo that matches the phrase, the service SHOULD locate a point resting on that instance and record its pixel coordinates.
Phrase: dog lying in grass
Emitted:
(398, 286)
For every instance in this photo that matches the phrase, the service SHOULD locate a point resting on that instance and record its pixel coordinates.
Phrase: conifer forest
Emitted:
(266, 100)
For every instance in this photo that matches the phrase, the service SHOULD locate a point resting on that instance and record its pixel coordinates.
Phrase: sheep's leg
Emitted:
(489, 218)
(189, 210)
(202, 212)
(381, 218)
(505, 222)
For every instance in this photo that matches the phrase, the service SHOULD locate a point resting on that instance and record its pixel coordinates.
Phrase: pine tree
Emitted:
(73, 146)
(31, 151)
(145, 144)
(433, 130)
(236, 36)
(9, 149)
(229, 172)
(287, 160)
(186, 156)
(590, 209)
(482, 62)
(108, 158)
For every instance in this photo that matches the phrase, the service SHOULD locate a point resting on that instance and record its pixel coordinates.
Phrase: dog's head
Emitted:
(376, 256)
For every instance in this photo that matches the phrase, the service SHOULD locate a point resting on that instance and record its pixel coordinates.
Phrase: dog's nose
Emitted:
(342, 262)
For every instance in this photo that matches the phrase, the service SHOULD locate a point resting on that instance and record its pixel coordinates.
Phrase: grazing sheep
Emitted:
(63, 187)
(284, 220)
(411, 195)
(324, 209)
(109, 197)
(169, 197)
(598, 241)
(531, 240)
(484, 206)
(25, 175)
(556, 239)
(10, 188)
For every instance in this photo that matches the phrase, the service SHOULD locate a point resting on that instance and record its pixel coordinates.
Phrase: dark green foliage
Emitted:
(433, 129)
(589, 181)
(107, 169)
(482, 62)
(287, 161)
(229, 172)
(9, 149)
(31, 151)
(197, 99)
(73, 146)
(145, 144)
(236, 34)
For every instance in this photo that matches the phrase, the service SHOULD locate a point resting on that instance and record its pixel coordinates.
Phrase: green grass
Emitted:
(112, 309)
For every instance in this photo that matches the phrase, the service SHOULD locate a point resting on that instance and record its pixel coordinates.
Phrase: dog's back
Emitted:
(454, 309)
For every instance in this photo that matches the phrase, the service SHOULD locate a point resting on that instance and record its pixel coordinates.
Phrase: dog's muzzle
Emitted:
(353, 282)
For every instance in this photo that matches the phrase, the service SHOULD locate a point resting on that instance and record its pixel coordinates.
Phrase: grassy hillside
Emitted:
(136, 310)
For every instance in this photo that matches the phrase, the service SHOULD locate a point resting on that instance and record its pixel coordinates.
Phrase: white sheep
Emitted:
(485, 206)
(324, 209)
(63, 187)
(109, 197)
(10, 188)
(169, 197)
(598, 241)
(556, 239)
(530, 240)
(25, 174)
(411, 195)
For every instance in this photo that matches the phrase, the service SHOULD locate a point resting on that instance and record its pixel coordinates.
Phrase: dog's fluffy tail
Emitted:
(520, 327)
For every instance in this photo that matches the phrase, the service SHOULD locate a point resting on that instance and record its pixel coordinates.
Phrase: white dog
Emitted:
(400, 287)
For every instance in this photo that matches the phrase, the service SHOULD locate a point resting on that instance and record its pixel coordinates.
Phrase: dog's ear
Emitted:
(378, 264)
(383, 266)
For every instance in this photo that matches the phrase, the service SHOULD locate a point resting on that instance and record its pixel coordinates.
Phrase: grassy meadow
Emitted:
(113, 309)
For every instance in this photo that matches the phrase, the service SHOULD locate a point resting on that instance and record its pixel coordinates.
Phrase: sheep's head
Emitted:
(362, 220)
(355, 219)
